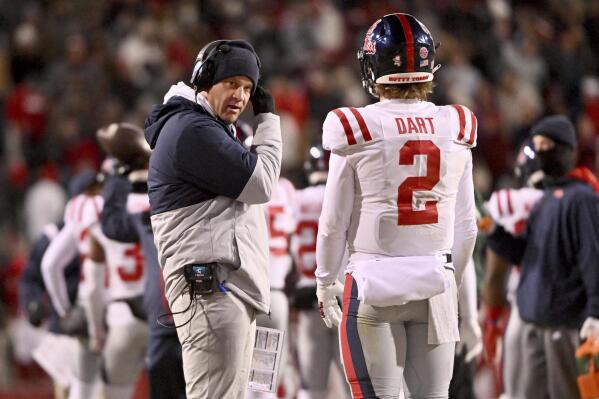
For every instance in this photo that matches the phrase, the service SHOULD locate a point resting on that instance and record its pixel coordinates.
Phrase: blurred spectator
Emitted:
(44, 202)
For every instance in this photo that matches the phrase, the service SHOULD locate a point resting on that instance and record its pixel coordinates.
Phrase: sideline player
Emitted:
(81, 213)
(400, 195)
(509, 208)
(281, 222)
(120, 351)
(317, 345)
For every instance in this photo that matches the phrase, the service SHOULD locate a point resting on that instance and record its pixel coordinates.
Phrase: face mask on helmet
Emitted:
(527, 169)
(557, 161)
(397, 49)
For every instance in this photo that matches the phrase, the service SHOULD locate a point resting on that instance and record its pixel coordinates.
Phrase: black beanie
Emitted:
(556, 127)
(240, 59)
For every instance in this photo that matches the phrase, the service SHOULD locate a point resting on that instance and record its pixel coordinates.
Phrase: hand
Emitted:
(470, 339)
(96, 343)
(327, 303)
(485, 225)
(494, 327)
(590, 328)
(262, 101)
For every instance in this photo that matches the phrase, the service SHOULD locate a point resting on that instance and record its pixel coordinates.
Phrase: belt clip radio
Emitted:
(200, 276)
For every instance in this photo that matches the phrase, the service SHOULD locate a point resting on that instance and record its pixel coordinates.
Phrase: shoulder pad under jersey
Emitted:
(344, 127)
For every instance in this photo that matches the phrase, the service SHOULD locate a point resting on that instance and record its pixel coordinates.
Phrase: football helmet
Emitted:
(316, 166)
(397, 49)
(125, 142)
(527, 169)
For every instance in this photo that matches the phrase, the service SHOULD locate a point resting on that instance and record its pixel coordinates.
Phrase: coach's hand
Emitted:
(327, 303)
(262, 101)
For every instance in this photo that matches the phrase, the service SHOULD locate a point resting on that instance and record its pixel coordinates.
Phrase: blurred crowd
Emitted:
(70, 67)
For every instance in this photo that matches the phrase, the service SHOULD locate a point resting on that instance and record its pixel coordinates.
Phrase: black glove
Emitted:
(262, 101)
(35, 313)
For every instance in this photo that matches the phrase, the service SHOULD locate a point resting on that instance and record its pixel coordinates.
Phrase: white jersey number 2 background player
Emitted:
(400, 195)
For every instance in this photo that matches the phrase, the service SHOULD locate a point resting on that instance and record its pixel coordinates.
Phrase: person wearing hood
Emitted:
(558, 291)
(205, 191)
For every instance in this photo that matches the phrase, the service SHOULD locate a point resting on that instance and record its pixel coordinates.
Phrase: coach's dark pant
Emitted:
(165, 367)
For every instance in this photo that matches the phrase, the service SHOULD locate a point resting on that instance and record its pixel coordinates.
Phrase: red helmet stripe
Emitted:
(349, 134)
(362, 124)
(462, 117)
(407, 31)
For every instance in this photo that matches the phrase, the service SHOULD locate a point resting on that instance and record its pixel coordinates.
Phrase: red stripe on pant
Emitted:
(354, 362)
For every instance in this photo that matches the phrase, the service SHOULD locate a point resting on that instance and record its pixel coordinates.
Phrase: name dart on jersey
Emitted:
(406, 125)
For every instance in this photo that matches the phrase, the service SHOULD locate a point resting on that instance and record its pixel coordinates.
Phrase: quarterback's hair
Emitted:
(409, 91)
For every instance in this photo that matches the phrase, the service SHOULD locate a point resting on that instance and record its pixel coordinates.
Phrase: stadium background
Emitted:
(70, 67)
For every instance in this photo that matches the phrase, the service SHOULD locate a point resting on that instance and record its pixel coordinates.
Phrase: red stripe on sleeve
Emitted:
(510, 209)
(362, 124)
(348, 132)
(499, 208)
(472, 129)
(462, 117)
(407, 31)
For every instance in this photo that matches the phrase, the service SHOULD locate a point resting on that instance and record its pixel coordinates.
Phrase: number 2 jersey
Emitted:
(400, 183)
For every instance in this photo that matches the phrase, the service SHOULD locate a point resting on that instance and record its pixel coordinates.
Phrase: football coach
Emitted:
(205, 193)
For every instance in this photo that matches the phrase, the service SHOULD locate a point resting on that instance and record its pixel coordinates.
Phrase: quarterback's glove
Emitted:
(470, 338)
(590, 328)
(262, 101)
(327, 303)
(494, 327)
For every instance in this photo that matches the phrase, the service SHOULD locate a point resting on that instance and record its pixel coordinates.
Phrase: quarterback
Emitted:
(400, 197)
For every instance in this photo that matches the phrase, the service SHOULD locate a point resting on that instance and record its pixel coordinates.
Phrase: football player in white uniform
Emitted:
(121, 305)
(509, 208)
(122, 347)
(317, 345)
(400, 196)
(80, 215)
(280, 219)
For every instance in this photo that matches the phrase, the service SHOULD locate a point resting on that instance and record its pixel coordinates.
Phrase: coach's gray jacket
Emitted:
(205, 189)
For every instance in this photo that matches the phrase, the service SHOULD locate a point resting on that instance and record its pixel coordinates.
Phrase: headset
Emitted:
(205, 65)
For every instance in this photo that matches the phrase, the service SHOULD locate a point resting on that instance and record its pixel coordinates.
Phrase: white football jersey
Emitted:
(511, 208)
(83, 213)
(403, 170)
(126, 271)
(303, 241)
(280, 219)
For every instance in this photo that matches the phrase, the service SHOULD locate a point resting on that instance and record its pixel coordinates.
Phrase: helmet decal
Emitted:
(369, 44)
(397, 60)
